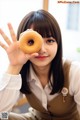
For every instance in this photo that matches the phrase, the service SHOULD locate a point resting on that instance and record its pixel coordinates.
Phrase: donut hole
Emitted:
(30, 42)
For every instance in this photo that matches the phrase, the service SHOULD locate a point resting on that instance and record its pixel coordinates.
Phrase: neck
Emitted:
(42, 71)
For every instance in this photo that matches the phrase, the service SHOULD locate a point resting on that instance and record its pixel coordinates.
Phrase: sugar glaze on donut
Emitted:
(30, 41)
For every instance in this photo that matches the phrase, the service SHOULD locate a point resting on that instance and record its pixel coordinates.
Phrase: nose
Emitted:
(43, 48)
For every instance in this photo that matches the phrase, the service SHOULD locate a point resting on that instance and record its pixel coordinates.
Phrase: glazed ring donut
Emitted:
(30, 41)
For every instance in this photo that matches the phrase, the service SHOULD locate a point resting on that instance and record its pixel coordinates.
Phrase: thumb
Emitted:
(28, 56)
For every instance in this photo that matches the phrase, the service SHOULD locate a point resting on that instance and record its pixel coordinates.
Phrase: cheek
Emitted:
(53, 50)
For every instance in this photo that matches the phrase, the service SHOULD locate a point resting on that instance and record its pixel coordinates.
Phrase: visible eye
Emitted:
(51, 41)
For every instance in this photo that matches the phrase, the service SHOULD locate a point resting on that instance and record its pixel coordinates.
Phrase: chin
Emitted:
(41, 64)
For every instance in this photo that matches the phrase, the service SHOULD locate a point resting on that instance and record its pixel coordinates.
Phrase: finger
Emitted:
(29, 56)
(34, 54)
(3, 45)
(25, 31)
(12, 33)
(30, 29)
(5, 37)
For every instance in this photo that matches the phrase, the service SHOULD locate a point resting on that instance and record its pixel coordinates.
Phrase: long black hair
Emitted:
(45, 24)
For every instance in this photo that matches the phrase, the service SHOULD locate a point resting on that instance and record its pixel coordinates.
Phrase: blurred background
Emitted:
(67, 15)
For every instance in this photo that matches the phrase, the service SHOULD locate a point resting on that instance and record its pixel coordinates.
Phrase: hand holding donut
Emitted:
(15, 54)
(30, 41)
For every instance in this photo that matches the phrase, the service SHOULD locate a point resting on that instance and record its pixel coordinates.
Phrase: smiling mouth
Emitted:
(41, 57)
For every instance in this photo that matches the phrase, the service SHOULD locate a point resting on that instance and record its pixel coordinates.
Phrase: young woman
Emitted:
(51, 84)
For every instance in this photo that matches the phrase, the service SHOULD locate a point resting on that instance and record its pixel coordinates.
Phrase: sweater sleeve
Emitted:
(9, 91)
(74, 77)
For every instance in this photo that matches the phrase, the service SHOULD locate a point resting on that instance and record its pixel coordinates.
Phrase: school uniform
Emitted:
(53, 107)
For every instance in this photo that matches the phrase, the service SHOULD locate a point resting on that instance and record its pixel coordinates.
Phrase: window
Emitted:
(73, 19)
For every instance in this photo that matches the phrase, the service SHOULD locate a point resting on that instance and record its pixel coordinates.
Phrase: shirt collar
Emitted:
(33, 76)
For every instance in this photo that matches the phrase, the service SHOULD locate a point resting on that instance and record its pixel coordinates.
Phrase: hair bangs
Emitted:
(40, 24)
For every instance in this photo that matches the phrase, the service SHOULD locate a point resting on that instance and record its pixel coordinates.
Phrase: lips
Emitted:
(41, 57)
